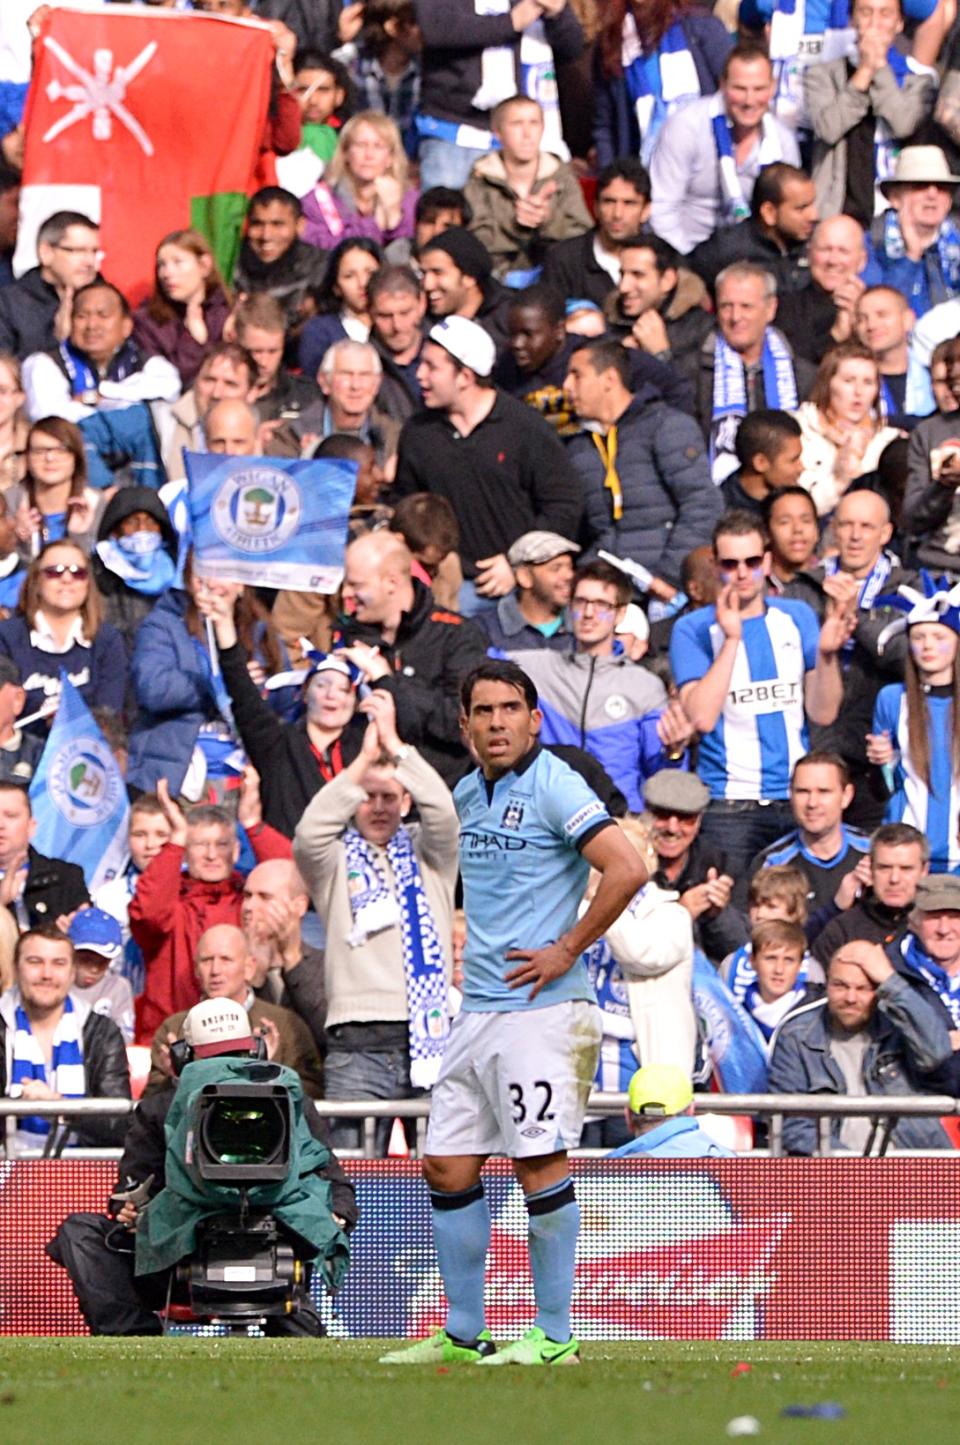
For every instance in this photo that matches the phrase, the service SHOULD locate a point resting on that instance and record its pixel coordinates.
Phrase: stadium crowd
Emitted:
(639, 323)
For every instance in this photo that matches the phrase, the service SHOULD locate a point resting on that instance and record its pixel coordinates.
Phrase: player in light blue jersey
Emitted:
(522, 1054)
(751, 670)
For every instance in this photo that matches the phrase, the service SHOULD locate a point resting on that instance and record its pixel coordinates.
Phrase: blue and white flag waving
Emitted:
(270, 521)
(78, 795)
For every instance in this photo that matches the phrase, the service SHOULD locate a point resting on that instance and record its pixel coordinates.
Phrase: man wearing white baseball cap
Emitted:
(498, 463)
(915, 246)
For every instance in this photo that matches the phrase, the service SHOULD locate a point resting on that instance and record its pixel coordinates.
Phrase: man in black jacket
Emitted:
(501, 468)
(274, 258)
(403, 642)
(458, 281)
(36, 889)
(783, 213)
(660, 306)
(587, 267)
(899, 858)
(397, 308)
(53, 1046)
(35, 311)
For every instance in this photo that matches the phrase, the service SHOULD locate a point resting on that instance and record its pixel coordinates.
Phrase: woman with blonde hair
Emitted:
(365, 189)
(843, 432)
(58, 627)
(185, 314)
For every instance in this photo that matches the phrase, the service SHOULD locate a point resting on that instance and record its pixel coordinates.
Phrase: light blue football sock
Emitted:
(461, 1232)
(553, 1227)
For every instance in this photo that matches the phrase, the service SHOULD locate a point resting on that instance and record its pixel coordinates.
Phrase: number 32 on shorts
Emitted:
(538, 1108)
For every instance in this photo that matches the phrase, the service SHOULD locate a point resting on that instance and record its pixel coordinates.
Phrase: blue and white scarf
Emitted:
(886, 146)
(946, 986)
(730, 395)
(869, 590)
(793, 48)
(618, 1059)
(734, 205)
(743, 984)
(65, 1077)
(84, 380)
(141, 561)
(656, 83)
(374, 907)
(944, 279)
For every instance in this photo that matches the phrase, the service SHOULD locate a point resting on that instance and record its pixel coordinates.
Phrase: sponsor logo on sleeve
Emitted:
(583, 816)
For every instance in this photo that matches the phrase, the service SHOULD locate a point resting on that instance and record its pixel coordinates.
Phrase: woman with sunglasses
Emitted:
(58, 625)
(53, 501)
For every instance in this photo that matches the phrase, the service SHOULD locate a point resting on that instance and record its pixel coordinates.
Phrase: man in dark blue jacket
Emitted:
(647, 489)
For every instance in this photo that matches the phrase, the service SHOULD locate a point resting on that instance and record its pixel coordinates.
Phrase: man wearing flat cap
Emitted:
(915, 246)
(675, 802)
(500, 466)
(458, 281)
(533, 615)
(928, 957)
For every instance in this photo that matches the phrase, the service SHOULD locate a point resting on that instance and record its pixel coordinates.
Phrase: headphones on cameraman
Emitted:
(182, 1053)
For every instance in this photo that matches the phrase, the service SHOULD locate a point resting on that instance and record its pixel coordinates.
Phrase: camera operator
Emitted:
(98, 1250)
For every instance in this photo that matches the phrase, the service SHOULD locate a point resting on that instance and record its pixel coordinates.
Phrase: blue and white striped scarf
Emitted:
(946, 283)
(793, 48)
(374, 907)
(868, 591)
(730, 395)
(946, 986)
(743, 984)
(658, 82)
(66, 1075)
(734, 205)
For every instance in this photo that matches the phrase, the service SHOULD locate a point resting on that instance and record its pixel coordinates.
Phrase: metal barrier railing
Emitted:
(883, 1112)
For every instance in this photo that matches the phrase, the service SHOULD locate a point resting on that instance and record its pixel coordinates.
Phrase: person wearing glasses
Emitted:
(35, 311)
(54, 501)
(594, 697)
(57, 626)
(642, 464)
(752, 670)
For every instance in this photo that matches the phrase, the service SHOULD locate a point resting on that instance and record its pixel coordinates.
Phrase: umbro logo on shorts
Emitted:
(532, 1131)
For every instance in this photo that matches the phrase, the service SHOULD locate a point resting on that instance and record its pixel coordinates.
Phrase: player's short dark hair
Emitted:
(629, 169)
(764, 431)
(745, 50)
(544, 298)
(55, 227)
(122, 301)
(823, 758)
(665, 256)
(497, 670)
(899, 835)
(424, 520)
(606, 355)
(610, 576)
(42, 930)
(738, 522)
(268, 194)
(771, 499)
(391, 280)
(771, 184)
(442, 198)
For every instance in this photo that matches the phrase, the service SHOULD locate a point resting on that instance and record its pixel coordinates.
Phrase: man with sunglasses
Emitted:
(752, 670)
(594, 697)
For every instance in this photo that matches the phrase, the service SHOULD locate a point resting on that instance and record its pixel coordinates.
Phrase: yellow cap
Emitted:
(659, 1090)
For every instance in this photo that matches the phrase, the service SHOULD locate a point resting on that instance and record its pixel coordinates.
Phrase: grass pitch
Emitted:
(95, 1392)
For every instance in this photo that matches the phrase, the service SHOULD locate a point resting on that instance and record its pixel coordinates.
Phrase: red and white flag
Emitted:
(148, 122)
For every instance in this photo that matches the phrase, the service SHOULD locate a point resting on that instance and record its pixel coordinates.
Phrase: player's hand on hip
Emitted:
(539, 966)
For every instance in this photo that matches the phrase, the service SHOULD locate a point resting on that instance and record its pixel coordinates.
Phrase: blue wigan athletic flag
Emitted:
(270, 521)
(78, 795)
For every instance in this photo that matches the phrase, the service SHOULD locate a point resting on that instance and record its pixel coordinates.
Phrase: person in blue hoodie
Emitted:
(661, 1118)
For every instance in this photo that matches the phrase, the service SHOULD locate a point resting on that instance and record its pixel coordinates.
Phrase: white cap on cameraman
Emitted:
(466, 342)
(217, 1026)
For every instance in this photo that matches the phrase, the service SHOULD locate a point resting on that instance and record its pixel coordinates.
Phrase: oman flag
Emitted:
(147, 121)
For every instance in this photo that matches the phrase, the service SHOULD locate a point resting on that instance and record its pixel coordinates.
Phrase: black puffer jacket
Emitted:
(124, 607)
(106, 1074)
(433, 652)
(669, 501)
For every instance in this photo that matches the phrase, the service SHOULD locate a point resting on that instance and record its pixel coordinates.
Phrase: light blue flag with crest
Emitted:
(78, 795)
(270, 521)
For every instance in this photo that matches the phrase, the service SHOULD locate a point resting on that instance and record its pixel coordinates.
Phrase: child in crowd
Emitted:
(148, 831)
(776, 895)
(769, 449)
(97, 954)
(780, 984)
(523, 198)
